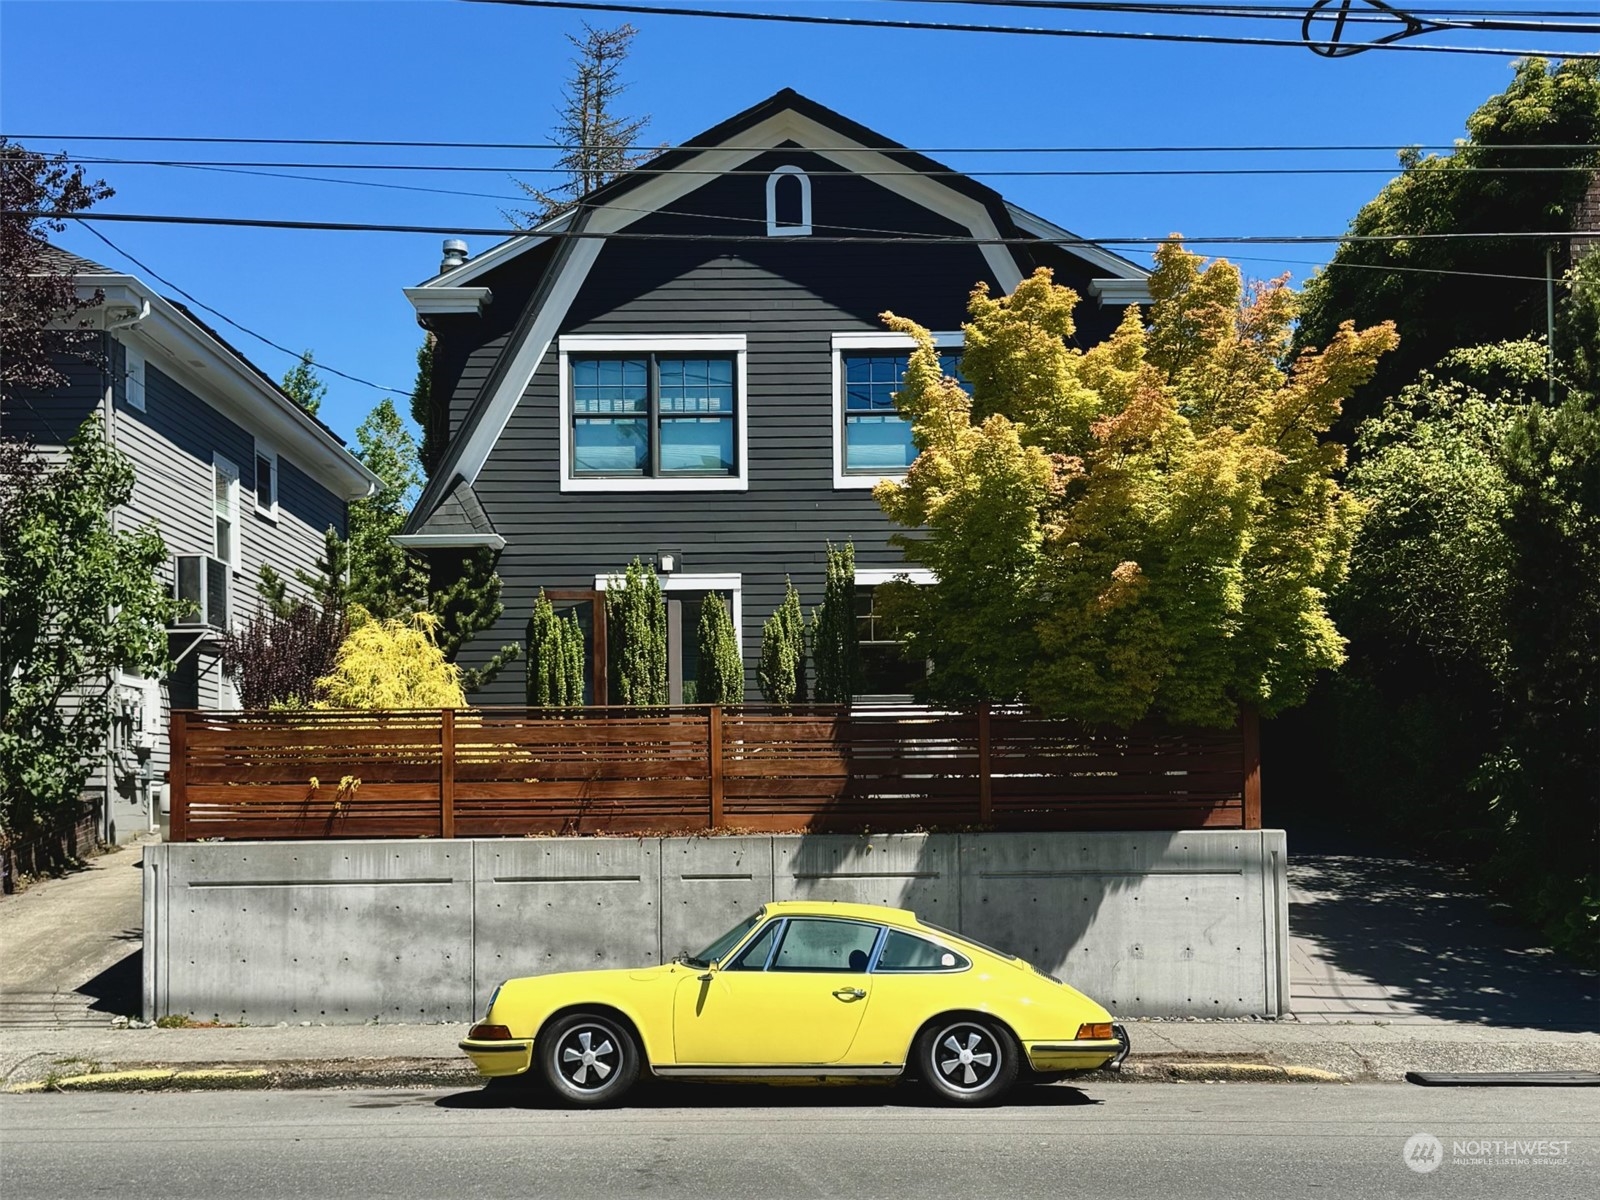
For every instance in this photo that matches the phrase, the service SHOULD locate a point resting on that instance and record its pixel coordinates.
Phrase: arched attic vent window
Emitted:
(788, 203)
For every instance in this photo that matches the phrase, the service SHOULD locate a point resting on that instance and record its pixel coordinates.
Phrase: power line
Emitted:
(86, 220)
(1031, 31)
(1494, 20)
(909, 239)
(945, 172)
(690, 146)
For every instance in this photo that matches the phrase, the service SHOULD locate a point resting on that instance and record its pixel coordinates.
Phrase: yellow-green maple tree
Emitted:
(1148, 527)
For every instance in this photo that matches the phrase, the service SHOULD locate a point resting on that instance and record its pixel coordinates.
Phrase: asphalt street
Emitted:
(1126, 1140)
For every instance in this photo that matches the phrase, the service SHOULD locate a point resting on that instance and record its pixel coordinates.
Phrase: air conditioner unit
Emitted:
(200, 584)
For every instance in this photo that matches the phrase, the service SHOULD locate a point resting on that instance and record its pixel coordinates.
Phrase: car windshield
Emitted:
(719, 948)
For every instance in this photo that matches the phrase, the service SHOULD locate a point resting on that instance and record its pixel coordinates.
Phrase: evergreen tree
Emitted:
(385, 579)
(833, 629)
(782, 672)
(598, 142)
(303, 385)
(555, 657)
(721, 678)
(431, 417)
(636, 620)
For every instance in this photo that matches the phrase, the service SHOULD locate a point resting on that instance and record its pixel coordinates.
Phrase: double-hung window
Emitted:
(225, 505)
(872, 438)
(652, 416)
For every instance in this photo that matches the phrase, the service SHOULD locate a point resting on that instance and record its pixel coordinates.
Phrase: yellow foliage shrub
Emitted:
(391, 665)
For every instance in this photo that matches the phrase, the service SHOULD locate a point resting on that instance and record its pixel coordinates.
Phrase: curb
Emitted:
(423, 1073)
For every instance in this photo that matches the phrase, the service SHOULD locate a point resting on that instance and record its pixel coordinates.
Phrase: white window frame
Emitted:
(267, 451)
(133, 372)
(732, 583)
(873, 577)
(225, 467)
(773, 228)
(664, 344)
(844, 343)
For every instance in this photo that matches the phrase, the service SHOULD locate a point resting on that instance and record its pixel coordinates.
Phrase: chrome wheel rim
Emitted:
(588, 1057)
(966, 1057)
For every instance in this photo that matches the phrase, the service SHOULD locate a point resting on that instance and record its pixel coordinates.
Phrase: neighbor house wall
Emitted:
(1192, 923)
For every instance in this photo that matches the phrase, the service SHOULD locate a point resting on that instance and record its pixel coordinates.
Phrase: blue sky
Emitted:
(460, 72)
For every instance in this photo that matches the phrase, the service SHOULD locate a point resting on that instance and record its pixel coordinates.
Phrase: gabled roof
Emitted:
(235, 383)
(784, 120)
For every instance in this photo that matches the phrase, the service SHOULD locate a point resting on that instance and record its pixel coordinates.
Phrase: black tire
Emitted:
(968, 1060)
(588, 1059)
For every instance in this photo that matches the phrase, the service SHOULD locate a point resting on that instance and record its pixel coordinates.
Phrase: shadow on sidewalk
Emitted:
(1423, 932)
(119, 989)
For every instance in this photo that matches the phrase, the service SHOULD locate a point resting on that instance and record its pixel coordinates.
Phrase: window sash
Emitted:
(225, 506)
(675, 412)
(882, 445)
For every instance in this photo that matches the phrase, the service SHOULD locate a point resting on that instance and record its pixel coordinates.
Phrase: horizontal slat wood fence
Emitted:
(509, 772)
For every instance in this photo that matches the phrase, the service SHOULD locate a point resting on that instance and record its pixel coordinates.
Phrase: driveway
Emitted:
(1376, 937)
(72, 946)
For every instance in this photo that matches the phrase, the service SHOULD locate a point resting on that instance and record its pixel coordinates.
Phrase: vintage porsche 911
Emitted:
(802, 990)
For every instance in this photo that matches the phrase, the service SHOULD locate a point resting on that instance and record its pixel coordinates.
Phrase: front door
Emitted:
(794, 997)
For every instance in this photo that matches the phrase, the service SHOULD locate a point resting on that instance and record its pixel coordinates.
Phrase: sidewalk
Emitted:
(399, 1055)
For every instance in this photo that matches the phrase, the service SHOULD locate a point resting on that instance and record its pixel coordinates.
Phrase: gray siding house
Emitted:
(689, 368)
(234, 474)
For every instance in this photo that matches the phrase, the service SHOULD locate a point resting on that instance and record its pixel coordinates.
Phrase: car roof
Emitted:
(882, 914)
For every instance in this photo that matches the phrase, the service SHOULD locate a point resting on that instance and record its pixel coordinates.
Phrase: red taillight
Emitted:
(1095, 1032)
(499, 1033)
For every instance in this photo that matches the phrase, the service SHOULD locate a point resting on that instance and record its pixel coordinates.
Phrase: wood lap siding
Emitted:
(519, 772)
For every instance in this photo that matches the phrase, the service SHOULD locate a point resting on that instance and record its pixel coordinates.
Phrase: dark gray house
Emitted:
(234, 474)
(689, 368)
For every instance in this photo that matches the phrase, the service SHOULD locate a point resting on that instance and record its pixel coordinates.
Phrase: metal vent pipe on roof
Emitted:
(455, 255)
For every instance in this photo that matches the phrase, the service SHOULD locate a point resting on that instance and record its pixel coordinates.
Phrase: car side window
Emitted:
(819, 944)
(905, 952)
(755, 955)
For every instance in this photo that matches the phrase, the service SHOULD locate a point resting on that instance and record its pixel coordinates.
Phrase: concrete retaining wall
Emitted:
(1151, 924)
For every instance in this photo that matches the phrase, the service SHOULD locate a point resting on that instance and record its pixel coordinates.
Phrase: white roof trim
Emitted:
(496, 255)
(447, 541)
(1051, 232)
(448, 299)
(222, 378)
(661, 190)
(1120, 292)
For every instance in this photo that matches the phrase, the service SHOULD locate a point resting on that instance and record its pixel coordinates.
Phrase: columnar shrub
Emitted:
(833, 629)
(721, 678)
(783, 652)
(555, 657)
(636, 622)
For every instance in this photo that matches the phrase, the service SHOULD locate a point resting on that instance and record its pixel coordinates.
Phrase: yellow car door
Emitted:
(795, 996)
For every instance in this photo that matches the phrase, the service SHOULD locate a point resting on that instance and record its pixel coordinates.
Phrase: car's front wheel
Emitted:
(967, 1060)
(588, 1059)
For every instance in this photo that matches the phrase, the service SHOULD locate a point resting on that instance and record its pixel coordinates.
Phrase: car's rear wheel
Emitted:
(967, 1060)
(588, 1059)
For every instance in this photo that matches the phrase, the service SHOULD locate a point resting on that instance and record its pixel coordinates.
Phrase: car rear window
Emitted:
(907, 952)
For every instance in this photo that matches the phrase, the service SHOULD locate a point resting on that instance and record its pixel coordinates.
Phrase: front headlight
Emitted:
(493, 996)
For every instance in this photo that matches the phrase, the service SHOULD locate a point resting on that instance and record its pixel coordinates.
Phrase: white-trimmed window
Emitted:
(225, 503)
(885, 671)
(133, 377)
(871, 440)
(788, 203)
(661, 413)
(684, 595)
(266, 481)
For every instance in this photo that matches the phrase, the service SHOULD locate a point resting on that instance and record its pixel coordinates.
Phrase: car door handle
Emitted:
(851, 993)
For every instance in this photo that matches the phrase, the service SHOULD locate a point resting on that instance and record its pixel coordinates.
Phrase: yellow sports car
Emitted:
(802, 989)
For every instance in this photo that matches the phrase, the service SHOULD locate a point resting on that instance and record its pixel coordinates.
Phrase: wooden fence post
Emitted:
(714, 757)
(447, 772)
(985, 784)
(178, 777)
(1250, 724)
